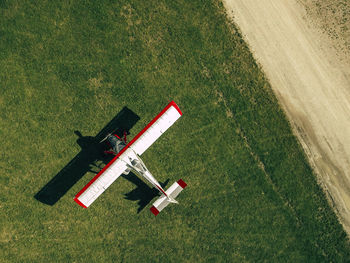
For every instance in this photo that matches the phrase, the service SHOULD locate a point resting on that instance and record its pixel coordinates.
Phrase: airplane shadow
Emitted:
(143, 193)
(91, 153)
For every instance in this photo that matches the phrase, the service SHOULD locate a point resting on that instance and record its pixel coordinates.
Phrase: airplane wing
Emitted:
(100, 183)
(142, 141)
(164, 120)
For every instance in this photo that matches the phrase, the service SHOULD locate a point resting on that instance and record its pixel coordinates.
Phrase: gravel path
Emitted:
(312, 83)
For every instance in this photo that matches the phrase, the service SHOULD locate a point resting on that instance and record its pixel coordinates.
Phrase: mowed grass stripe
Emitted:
(73, 65)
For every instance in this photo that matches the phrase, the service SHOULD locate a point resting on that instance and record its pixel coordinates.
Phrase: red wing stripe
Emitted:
(172, 103)
(79, 203)
(176, 107)
(99, 174)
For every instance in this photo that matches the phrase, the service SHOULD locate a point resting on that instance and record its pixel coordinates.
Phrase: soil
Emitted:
(309, 71)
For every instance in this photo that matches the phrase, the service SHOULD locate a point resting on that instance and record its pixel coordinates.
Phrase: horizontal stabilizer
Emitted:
(163, 201)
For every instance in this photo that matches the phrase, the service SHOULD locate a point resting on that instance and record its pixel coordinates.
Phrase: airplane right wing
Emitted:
(163, 121)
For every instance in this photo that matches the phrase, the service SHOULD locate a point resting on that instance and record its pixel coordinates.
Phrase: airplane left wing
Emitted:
(100, 182)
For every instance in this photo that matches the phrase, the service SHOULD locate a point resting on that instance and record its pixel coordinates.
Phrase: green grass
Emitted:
(72, 65)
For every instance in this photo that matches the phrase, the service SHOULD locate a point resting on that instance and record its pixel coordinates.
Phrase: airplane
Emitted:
(127, 158)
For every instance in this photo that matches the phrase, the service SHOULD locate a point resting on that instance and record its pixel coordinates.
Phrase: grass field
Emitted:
(73, 65)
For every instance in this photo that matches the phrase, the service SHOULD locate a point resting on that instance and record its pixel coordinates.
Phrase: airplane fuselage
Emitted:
(134, 162)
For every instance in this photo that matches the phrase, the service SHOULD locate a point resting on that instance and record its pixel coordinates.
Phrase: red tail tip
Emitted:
(154, 210)
(182, 183)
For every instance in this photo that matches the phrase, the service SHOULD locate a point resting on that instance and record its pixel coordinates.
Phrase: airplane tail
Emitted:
(172, 192)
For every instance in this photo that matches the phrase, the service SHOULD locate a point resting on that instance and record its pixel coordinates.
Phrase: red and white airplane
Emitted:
(127, 158)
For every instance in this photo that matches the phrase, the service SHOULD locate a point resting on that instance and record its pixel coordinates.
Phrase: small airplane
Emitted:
(127, 158)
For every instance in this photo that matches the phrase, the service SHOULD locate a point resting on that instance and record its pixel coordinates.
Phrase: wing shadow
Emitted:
(91, 151)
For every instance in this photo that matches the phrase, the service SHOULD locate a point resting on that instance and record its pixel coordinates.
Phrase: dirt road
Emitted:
(312, 84)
